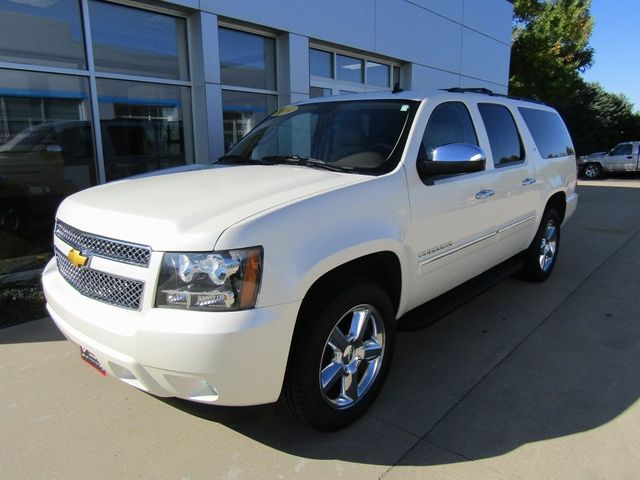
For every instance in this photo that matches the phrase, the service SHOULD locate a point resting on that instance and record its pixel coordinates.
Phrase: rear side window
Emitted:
(450, 122)
(504, 139)
(548, 131)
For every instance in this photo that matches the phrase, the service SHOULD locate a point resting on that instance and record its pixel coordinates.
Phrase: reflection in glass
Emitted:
(42, 32)
(396, 76)
(247, 60)
(315, 92)
(350, 69)
(144, 126)
(320, 63)
(138, 42)
(377, 74)
(46, 153)
(242, 111)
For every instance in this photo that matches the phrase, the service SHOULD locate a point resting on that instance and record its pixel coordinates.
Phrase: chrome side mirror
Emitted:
(452, 159)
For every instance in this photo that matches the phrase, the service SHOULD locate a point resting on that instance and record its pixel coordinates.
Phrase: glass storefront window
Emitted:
(138, 42)
(320, 63)
(377, 74)
(241, 111)
(42, 32)
(46, 153)
(349, 69)
(247, 60)
(144, 126)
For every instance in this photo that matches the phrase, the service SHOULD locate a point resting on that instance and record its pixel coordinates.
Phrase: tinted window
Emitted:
(449, 123)
(624, 149)
(247, 60)
(320, 63)
(548, 131)
(138, 42)
(506, 146)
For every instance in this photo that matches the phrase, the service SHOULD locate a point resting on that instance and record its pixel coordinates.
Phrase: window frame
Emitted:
(336, 86)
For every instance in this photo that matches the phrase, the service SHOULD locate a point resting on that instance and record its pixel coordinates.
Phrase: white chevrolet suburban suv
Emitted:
(279, 271)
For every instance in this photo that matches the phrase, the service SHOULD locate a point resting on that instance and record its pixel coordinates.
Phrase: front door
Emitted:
(453, 227)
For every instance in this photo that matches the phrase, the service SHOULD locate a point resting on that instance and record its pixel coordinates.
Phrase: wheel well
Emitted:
(558, 201)
(381, 267)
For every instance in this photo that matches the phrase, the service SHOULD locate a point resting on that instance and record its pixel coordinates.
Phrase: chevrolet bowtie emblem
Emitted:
(76, 258)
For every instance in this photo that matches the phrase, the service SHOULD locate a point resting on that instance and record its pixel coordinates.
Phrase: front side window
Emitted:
(364, 136)
(624, 149)
(450, 122)
(504, 139)
(548, 131)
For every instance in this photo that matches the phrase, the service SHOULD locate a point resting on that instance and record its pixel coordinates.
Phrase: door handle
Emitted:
(528, 181)
(485, 193)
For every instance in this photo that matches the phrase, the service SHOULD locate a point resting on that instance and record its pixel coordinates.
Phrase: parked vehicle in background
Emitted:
(624, 157)
(280, 271)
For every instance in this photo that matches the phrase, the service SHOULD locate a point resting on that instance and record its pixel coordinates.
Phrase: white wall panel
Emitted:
(411, 33)
(491, 17)
(484, 58)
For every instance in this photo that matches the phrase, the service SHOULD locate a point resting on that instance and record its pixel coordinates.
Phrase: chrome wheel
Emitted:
(592, 171)
(548, 246)
(352, 357)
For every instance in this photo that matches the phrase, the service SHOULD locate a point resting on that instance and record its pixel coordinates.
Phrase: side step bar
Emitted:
(428, 313)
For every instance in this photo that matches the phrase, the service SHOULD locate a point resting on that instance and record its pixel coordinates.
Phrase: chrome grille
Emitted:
(101, 286)
(103, 247)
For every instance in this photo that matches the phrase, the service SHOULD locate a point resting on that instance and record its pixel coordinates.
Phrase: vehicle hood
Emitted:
(188, 211)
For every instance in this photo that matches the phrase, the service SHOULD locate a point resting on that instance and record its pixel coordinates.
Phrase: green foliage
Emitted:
(550, 50)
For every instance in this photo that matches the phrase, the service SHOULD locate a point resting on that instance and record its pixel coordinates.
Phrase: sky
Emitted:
(616, 41)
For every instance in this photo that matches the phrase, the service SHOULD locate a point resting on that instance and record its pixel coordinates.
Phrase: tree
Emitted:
(550, 48)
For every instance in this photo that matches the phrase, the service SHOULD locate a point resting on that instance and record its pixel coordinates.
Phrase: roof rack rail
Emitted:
(486, 91)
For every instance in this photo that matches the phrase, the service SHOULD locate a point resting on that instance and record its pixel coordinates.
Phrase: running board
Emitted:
(432, 311)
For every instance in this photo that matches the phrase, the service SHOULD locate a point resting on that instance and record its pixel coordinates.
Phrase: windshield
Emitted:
(363, 136)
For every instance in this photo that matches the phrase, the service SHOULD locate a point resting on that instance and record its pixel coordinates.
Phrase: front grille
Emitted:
(91, 244)
(107, 288)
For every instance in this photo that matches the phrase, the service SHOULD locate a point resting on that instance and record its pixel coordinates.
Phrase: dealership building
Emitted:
(92, 91)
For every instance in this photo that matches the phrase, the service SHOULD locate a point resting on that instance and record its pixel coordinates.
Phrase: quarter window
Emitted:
(449, 123)
(504, 139)
(548, 131)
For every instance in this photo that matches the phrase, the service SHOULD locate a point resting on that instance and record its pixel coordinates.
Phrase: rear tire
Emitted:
(340, 355)
(542, 254)
(592, 171)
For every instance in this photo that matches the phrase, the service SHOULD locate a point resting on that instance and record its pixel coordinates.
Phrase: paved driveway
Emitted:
(524, 382)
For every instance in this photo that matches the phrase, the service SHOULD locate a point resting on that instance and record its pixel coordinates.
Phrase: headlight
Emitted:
(213, 281)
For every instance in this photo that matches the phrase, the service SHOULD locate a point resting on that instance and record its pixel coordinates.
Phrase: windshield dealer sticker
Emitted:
(404, 108)
(285, 110)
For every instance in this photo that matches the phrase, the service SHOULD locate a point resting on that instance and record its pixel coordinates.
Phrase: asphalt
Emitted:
(523, 382)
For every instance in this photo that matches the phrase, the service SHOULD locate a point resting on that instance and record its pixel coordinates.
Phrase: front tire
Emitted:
(340, 356)
(541, 256)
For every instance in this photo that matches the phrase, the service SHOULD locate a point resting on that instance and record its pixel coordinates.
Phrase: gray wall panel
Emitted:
(491, 17)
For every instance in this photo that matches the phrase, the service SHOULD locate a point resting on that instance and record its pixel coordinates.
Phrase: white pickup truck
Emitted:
(279, 272)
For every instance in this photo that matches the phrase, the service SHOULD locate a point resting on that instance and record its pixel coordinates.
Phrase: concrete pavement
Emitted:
(524, 382)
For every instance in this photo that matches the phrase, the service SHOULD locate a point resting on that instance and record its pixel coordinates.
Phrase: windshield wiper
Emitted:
(303, 161)
(238, 159)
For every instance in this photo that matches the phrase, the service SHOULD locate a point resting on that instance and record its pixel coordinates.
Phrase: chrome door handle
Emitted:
(485, 193)
(528, 181)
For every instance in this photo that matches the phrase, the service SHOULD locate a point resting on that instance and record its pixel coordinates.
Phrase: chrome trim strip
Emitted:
(519, 222)
(457, 249)
(473, 242)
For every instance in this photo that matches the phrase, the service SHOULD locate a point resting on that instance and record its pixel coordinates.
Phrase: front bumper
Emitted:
(225, 358)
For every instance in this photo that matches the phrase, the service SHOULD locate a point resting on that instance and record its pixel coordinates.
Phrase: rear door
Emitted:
(518, 191)
(621, 158)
